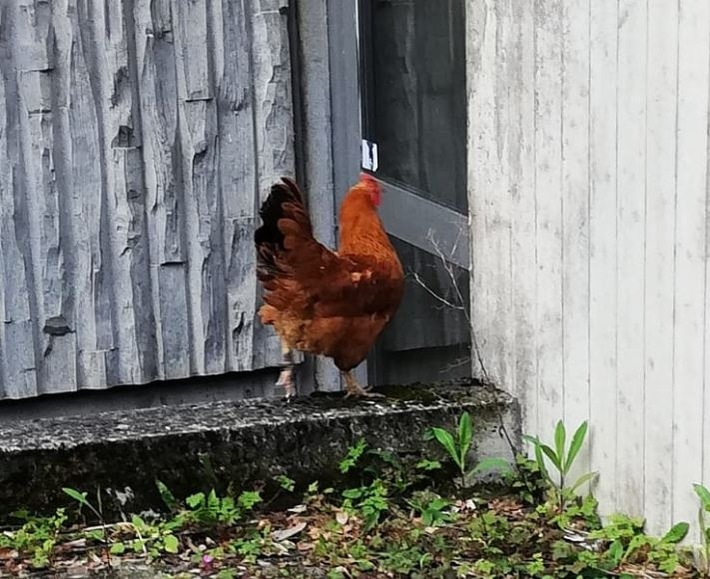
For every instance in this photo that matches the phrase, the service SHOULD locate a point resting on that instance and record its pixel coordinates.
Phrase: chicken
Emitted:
(319, 301)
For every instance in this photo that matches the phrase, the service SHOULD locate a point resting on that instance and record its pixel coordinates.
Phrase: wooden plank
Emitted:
(137, 250)
(602, 244)
(137, 238)
(156, 65)
(6, 387)
(27, 186)
(521, 162)
(33, 44)
(237, 174)
(689, 252)
(5, 186)
(17, 341)
(101, 27)
(481, 63)
(705, 459)
(315, 132)
(91, 103)
(55, 362)
(631, 183)
(201, 207)
(272, 86)
(173, 320)
(192, 42)
(207, 267)
(123, 156)
(57, 359)
(345, 94)
(64, 350)
(273, 115)
(499, 240)
(706, 346)
(80, 173)
(660, 227)
(548, 214)
(575, 217)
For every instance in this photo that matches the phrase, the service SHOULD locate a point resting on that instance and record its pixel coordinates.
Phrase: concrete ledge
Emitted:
(200, 446)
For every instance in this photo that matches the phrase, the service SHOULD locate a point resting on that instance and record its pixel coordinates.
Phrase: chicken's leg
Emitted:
(354, 389)
(286, 376)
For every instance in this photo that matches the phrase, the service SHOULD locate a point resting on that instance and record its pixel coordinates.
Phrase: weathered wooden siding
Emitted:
(138, 137)
(588, 163)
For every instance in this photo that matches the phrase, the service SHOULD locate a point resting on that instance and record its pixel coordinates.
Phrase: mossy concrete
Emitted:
(238, 444)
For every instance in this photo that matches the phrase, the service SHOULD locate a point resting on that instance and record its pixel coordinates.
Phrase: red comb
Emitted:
(366, 177)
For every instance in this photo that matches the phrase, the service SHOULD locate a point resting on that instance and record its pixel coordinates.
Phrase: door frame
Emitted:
(330, 118)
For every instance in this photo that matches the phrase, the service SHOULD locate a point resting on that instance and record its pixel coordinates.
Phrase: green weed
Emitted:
(458, 444)
(562, 459)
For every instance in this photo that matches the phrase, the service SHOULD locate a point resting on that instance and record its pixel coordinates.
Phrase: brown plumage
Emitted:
(320, 301)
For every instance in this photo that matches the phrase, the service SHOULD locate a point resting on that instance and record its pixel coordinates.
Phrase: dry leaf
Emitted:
(75, 544)
(282, 549)
(284, 534)
(7, 553)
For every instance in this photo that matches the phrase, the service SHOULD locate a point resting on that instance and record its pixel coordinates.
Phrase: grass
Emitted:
(386, 517)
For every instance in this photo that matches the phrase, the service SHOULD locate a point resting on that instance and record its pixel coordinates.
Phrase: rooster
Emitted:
(319, 301)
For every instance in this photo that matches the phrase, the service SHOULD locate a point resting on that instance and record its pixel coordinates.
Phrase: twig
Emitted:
(435, 295)
(108, 526)
(456, 364)
(461, 306)
(449, 269)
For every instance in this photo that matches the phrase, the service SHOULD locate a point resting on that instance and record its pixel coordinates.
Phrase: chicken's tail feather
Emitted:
(282, 214)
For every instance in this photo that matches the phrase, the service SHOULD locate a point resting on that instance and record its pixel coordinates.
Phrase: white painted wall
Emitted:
(588, 176)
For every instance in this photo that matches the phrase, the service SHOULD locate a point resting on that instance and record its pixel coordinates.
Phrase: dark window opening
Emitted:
(413, 95)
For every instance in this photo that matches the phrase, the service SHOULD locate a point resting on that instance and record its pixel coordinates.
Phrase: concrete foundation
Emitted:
(238, 444)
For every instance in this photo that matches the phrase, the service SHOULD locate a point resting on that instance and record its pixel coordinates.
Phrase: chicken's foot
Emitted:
(286, 376)
(352, 388)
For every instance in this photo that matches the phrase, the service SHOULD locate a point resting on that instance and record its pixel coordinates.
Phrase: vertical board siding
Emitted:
(315, 131)
(661, 195)
(492, 178)
(588, 148)
(138, 139)
(274, 136)
(575, 213)
(603, 195)
(548, 212)
(690, 252)
(522, 187)
(631, 243)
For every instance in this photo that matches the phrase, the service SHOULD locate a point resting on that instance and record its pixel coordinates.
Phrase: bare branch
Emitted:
(435, 295)
(461, 306)
(449, 269)
(456, 364)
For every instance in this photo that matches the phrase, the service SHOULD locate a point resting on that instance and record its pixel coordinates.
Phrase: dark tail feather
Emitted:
(268, 238)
